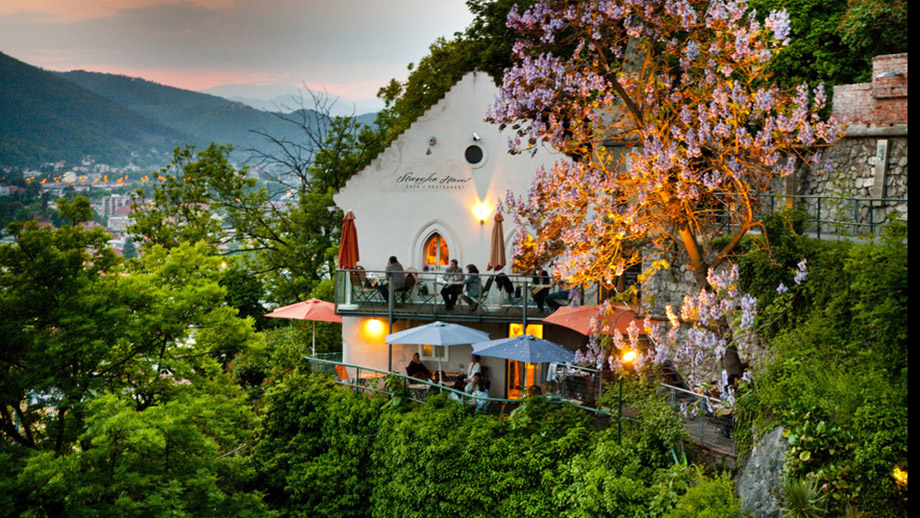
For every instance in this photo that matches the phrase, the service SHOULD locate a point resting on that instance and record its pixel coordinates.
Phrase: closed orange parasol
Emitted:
(580, 318)
(348, 248)
(497, 250)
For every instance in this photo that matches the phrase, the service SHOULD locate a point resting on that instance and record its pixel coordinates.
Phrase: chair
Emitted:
(360, 290)
(427, 294)
(407, 291)
(344, 378)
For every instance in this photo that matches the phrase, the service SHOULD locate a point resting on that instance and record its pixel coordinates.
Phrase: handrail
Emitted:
(851, 206)
(358, 387)
(716, 425)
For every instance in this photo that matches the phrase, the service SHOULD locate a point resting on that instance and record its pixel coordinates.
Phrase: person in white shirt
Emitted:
(474, 368)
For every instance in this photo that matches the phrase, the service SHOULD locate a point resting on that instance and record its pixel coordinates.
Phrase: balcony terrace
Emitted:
(365, 294)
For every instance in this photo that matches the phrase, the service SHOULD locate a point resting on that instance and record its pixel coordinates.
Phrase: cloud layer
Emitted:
(350, 47)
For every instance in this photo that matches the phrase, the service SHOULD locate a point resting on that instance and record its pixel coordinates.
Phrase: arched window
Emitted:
(436, 252)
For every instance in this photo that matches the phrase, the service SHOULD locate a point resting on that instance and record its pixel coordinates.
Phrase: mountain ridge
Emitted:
(124, 119)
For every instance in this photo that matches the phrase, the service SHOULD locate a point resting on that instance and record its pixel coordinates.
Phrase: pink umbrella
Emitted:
(312, 309)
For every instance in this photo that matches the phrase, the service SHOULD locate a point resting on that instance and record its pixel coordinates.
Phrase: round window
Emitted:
(473, 155)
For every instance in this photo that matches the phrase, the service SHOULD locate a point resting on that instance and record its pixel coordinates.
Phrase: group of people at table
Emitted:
(470, 381)
(468, 287)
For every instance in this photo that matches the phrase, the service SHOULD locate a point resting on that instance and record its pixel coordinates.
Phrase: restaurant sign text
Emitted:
(437, 181)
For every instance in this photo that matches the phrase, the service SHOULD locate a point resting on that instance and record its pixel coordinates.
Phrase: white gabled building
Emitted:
(429, 197)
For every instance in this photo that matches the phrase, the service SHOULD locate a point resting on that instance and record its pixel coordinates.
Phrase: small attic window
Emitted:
(474, 155)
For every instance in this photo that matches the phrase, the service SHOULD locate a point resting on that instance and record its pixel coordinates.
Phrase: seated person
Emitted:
(504, 283)
(453, 285)
(474, 367)
(471, 287)
(534, 390)
(416, 369)
(472, 383)
(563, 293)
(438, 378)
(395, 275)
(481, 391)
(540, 287)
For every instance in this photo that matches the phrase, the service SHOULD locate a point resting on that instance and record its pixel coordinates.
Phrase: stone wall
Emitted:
(870, 162)
(864, 167)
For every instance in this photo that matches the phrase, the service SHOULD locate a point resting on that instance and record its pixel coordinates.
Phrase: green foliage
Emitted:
(188, 205)
(658, 429)
(75, 211)
(708, 498)
(314, 453)
(872, 28)
(113, 399)
(327, 451)
(803, 498)
(181, 458)
(129, 251)
(834, 41)
(837, 380)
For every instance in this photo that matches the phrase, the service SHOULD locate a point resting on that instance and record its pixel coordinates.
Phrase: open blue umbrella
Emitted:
(438, 333)
(524, 348)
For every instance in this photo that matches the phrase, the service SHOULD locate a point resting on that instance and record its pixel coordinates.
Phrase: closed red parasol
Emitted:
(497, 250)
(348, 248)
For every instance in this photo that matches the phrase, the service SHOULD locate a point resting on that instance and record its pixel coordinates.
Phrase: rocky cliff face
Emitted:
(760, 482)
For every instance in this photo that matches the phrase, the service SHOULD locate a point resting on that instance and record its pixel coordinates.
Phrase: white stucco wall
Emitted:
(407, 193)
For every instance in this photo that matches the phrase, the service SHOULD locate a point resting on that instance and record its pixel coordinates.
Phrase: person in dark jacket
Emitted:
(416, 369)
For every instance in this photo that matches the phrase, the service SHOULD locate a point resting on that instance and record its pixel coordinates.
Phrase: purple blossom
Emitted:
(801, 272)
(778, 22)
(781, 288)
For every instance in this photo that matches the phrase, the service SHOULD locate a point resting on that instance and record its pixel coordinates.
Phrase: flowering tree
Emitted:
(673, 123)
(717, 319)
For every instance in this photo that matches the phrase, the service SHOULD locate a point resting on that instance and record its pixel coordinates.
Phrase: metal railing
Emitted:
(705, 418)
(578, 383)
(369, 380)
(501, 297)
(832, 216)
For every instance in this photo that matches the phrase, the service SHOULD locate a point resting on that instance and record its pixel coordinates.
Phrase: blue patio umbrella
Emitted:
(438, 333)
(524, 348)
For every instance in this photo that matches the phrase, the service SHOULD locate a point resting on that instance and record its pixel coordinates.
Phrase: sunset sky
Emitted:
(350, 48)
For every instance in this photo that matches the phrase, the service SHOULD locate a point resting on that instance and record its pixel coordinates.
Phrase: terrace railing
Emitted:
(373, 381)
(502, 298)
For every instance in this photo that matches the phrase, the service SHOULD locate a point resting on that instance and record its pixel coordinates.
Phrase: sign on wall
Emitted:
(432, 181)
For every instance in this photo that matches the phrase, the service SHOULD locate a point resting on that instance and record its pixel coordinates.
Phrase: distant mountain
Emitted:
(274, 98)
(207, 118)
(65, 115)
(44, 117)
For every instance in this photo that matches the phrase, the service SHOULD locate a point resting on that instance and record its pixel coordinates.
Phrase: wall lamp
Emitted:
(482, 211)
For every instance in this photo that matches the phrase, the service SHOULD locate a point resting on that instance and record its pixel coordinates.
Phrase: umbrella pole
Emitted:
(524, 383)
(390, 319)
(314, 338)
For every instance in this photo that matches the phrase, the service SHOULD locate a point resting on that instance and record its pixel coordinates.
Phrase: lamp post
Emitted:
(626, 361)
